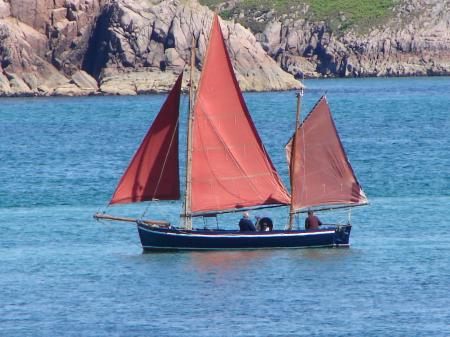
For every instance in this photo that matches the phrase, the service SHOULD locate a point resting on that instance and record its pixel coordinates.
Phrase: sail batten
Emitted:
(230, 167)
(323, 176)
(153, 173)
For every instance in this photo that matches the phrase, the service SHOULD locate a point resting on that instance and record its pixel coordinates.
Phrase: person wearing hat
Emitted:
(312, 221)
(245, 224)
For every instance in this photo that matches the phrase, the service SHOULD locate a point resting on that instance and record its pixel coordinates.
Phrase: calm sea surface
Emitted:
(63, 274)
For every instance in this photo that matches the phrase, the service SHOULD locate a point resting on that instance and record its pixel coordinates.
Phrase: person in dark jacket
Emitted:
(312, 221)
(245, 224)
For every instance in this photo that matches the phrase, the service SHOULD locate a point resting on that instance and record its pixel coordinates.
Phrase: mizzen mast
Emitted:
(188, 190)
(293, 160)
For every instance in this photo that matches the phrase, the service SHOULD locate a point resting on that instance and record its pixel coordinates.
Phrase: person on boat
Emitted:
(264, 224)
(312, 221)
(245, 224)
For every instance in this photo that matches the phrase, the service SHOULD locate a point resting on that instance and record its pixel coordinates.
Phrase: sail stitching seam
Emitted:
(229, 152)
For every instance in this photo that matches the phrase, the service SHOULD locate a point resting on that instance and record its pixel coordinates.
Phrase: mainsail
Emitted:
(322, 175)
(230, 167)
(154, 170)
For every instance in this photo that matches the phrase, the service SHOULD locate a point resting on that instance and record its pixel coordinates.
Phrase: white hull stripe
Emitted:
(238, 235)
(247, 248)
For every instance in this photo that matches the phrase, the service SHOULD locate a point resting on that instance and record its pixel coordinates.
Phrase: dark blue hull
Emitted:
(156, 239)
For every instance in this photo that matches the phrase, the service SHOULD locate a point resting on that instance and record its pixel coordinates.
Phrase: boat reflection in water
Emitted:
(227, 260)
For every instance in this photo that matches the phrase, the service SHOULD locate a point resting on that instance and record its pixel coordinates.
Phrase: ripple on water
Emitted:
(62, 274)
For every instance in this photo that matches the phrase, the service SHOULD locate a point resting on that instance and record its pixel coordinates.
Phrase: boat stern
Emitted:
(342, 235)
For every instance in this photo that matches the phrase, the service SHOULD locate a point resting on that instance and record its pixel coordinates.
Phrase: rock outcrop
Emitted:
(414, 40)
(42, 45)
(155, 39)
(86, 47)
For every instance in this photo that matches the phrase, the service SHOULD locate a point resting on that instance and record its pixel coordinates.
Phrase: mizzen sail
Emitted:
(230, 167)
(322, 175)
(153, 173)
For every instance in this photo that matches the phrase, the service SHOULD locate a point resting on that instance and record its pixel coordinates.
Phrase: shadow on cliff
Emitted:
(97, 53)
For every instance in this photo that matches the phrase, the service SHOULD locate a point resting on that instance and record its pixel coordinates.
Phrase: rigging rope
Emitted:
(182, 103)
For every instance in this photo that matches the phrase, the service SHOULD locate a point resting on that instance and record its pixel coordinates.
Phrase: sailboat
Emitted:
(228, 169)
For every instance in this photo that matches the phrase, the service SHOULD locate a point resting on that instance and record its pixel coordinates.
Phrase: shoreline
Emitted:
(163, 92)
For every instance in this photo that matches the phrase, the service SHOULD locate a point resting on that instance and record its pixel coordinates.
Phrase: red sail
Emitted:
(154, 170)
(230, 167)
(322, 173)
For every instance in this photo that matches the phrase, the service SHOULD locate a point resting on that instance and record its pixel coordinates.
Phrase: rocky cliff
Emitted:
(41, 45)
(408, 38)
(84, 47)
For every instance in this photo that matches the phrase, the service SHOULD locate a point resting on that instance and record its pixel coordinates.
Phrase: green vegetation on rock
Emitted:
(340, 15)
(343, 14)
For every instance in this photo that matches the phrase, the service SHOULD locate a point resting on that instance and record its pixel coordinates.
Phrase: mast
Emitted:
(293, 159)
(188, 190)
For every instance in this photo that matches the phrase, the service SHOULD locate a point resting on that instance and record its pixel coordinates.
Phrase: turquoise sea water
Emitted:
(63, 274)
